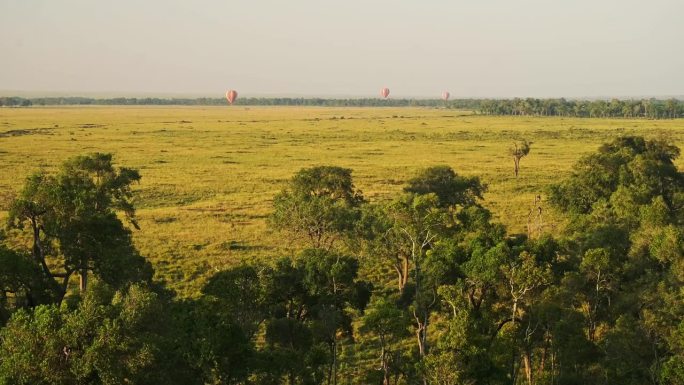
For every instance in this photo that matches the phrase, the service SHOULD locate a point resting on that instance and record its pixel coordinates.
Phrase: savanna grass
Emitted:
(209, 173)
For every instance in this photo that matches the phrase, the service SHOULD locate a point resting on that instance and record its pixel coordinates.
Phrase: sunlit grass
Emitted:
(209, 173)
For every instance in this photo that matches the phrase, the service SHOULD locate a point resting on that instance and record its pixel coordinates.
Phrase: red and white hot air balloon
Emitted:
(231, 95)
(384, 92)
(445, 95)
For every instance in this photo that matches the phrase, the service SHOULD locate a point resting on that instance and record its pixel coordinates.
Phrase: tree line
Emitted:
(615, 108)
(243, 101)
(425, 288)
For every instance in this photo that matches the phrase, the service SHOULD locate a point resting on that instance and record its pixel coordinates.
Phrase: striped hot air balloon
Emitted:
(384, 92)
(445, 95)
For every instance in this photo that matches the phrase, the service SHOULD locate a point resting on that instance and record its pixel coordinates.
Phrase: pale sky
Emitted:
(472, 48)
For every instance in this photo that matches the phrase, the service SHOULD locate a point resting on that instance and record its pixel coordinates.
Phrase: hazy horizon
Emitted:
(307, 48)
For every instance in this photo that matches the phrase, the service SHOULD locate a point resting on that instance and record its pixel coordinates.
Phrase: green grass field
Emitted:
(209, 173)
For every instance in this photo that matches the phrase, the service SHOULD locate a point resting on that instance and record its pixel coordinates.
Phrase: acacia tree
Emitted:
(413, 233)
(376, 237)
(625, 205)
(205, 345)
(109, 338)
(524, 276)
(290, 354)
(73, 220)
(518, 151)
(240, 292)
(388, 323)
(596, 275)
(418, 221)
(308, 310)
(452, 190)
(455, 196)
(331, 279)
(319, 205)
(22, 284)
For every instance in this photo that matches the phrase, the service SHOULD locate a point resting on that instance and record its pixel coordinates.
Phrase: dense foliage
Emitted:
(614, 108)
(422, 289)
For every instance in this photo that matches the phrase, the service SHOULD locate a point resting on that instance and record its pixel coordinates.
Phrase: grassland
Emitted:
(209, 173)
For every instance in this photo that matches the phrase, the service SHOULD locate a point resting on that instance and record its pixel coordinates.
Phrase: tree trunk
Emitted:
(331, 370)
(83, 281)
(425, 331)
(516, 162)
(405, 272)
(514, 356)
(383, 362)
(65, 282)
(542, 360)
(527, 360)
(420, 335)
(421, 319)
(38, 248)
(335, 363)
(400, 278)
(514, 369)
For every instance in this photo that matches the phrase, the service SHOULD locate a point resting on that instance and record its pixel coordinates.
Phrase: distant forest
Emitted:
(615, 108)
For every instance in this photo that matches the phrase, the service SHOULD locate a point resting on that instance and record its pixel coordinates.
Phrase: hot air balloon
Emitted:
(384, 92)
(445, 95)
(231, 96)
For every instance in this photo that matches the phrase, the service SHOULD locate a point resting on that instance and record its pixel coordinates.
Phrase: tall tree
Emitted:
(332, 280)
(518, 151)
(109, 338)
(319, 205)
(73, 218)
(388, 323)
(451, 189)
(22, 284)
(241, 293)
(418, 220)
(625, 207)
